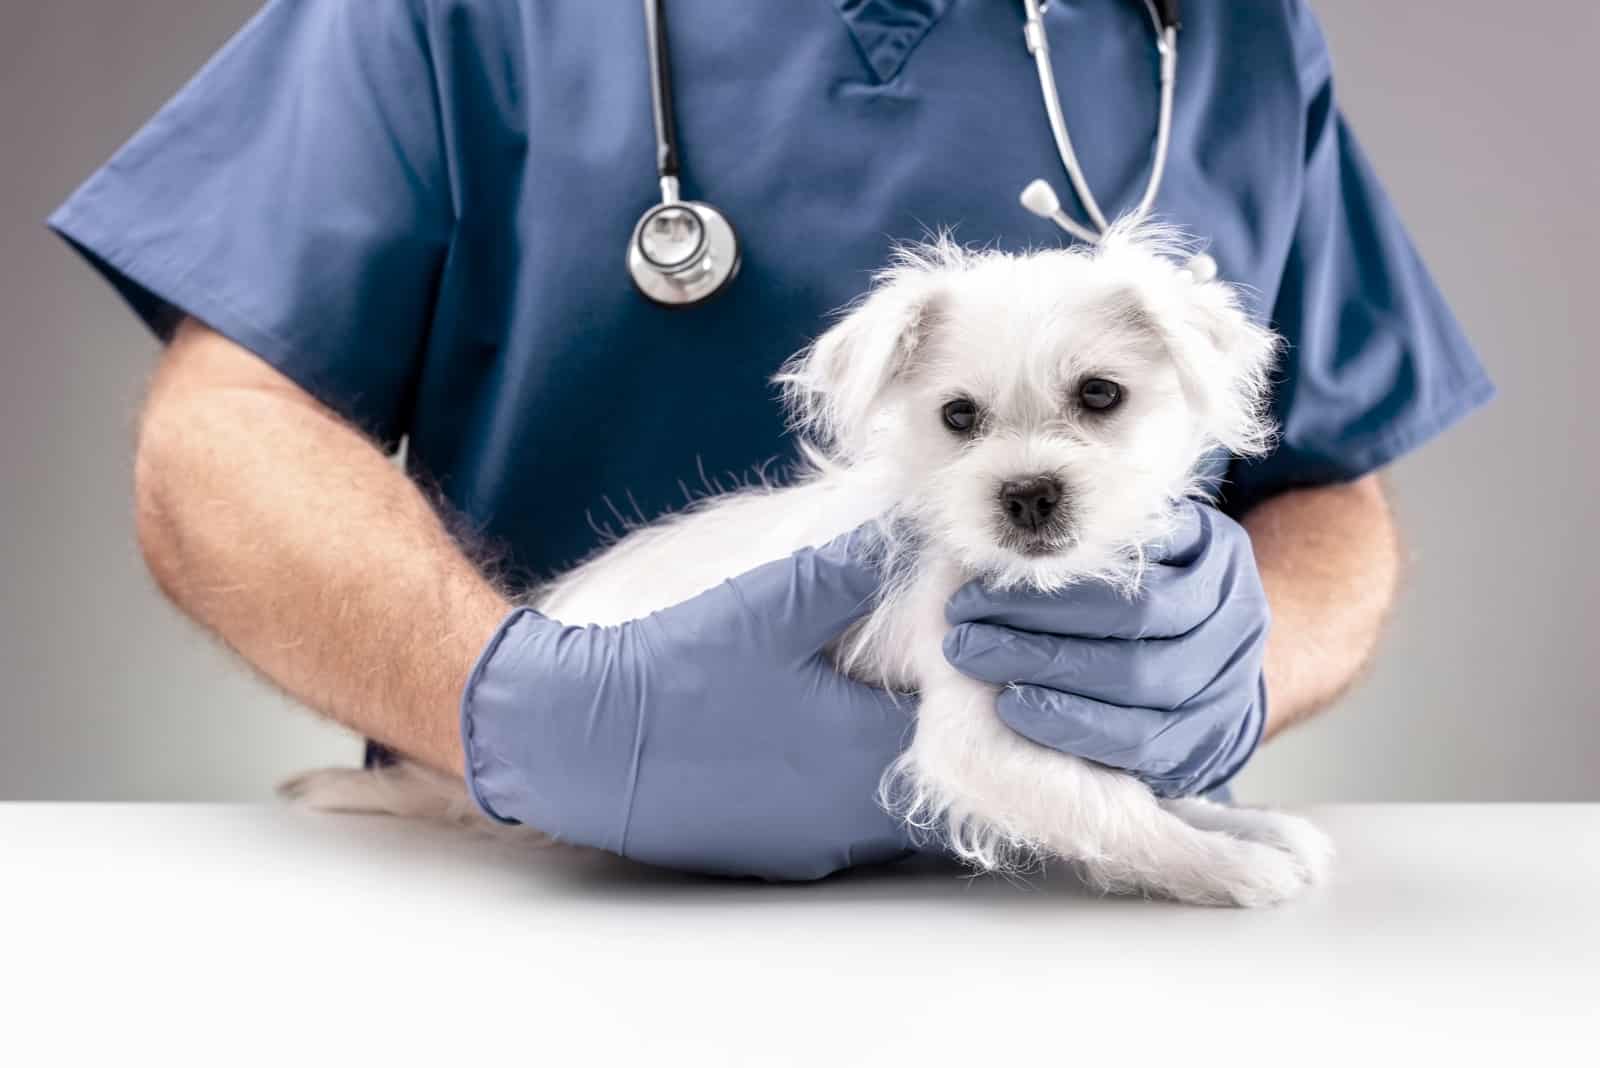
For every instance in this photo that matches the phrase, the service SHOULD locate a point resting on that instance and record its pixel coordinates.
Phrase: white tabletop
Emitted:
(223, 935)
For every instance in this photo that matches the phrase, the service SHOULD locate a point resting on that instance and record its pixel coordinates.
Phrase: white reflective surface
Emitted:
(245, 934)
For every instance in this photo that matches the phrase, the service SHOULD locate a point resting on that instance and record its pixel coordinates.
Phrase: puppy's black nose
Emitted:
(1030, 503)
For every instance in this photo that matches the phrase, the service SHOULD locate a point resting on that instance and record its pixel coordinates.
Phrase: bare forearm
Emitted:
(1329, 560)
(284, 531)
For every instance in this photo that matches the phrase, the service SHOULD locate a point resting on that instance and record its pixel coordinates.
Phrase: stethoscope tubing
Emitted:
(1164, 21)
(662, 283)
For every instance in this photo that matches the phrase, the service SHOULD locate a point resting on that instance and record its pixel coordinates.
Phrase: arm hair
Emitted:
(1330, 562)
(288, 534)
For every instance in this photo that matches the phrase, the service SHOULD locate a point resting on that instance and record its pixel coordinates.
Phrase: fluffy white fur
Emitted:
(1016, 335)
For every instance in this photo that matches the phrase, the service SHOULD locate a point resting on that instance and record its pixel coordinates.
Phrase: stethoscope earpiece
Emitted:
(1202, 268)
(1040, 198)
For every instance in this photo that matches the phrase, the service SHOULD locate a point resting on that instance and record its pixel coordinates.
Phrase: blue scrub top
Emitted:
(418, 210)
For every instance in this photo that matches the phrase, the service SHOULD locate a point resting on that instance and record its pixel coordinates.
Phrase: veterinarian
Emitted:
(371, 221)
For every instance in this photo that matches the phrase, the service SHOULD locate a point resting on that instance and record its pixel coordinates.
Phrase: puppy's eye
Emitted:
(1100, 394)
(961, 415)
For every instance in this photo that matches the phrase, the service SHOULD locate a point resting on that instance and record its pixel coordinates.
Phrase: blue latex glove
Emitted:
(1167, 685)
(712, 736)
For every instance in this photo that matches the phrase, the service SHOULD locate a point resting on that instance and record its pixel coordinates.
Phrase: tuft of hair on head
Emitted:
(831, 388)
(1224, 358)
(1146, 237)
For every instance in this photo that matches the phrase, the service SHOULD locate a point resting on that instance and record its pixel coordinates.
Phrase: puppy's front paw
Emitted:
(1259, 875)
(1311, 848)
(1301, 839)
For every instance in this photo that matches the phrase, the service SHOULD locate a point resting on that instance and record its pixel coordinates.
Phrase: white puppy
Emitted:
(1084, 386)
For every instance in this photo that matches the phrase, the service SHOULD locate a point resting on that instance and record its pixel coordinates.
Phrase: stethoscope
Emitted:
(685, 252)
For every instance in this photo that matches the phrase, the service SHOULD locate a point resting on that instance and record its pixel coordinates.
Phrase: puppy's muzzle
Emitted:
(1033, 506)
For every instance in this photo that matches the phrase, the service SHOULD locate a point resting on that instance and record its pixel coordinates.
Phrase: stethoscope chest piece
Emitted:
(682, 252)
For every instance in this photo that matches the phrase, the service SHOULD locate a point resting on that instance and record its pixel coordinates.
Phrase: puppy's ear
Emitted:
(834, 388)
(1225, 363)
(1224, 359)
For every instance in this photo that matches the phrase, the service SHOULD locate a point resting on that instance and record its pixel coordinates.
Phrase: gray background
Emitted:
(1477, 115)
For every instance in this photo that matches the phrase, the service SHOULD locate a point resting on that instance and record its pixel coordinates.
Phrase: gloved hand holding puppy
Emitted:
(708, 726)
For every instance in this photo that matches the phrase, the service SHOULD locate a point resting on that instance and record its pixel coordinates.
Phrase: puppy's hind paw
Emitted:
(335, 790)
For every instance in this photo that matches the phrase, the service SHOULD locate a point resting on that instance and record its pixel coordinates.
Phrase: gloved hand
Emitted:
(712, 736)
(1167, 685)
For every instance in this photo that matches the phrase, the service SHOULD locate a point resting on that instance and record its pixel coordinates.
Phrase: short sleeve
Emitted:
(295, 198)
(1376, 363)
